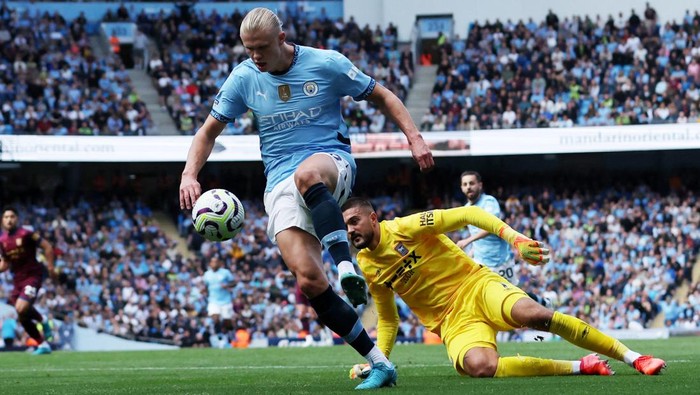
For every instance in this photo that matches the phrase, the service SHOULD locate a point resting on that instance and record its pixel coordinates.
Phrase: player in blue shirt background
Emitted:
(486, 248)
(295, 92)
(219, 281)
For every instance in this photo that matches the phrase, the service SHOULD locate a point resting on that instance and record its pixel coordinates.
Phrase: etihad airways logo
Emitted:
(289, 119)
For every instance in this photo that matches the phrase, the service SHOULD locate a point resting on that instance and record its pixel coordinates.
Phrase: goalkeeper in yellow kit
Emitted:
(463, 302)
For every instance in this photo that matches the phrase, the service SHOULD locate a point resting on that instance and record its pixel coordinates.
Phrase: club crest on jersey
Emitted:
(284, 92)
(310, 88)
(401, 249)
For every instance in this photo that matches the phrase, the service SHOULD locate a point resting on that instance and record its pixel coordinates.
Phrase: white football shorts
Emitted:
(286, 208)
(224, 311)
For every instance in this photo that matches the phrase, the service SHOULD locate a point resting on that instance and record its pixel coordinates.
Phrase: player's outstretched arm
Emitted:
(531, 251)
(392, 107)
(450, 220)
(472, 238)
(387, 317)
(202, 144)
(445, 221)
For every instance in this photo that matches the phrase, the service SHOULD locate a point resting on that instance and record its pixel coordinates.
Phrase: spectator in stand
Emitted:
(8, 327)
(55, 83)
(140, 42)
(615, 252)
(568, 73)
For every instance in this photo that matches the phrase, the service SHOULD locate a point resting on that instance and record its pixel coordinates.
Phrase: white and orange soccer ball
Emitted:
(218, 215)
(360, 371)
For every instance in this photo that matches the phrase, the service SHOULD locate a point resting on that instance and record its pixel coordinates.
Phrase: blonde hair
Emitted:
(261, 19)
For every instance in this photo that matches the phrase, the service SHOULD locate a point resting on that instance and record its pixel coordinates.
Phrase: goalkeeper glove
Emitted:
(532, 251)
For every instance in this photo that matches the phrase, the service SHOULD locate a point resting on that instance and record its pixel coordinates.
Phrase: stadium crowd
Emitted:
(619, 258)
(198, 51)
(577, 71)
(51, 82)
(121, 274)
(620, 254)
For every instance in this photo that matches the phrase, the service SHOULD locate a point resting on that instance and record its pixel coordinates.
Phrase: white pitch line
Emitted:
(163, 368)
(159, 368)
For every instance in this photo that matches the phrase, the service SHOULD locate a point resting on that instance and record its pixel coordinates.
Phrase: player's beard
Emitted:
(363, 240)
(473, 195)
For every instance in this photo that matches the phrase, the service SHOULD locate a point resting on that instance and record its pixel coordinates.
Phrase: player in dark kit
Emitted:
(18, 253)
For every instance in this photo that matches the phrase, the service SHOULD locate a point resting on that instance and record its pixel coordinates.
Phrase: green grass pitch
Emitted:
(422, 370)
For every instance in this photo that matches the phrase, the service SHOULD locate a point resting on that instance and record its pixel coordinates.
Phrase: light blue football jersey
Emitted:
(215, 281)
(491, 251)
(298, 113)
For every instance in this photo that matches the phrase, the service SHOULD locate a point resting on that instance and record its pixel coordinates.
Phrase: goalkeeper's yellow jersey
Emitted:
(418, 262)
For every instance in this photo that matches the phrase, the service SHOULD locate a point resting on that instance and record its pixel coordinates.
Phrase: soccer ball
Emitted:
(218, 215)
(360, 371)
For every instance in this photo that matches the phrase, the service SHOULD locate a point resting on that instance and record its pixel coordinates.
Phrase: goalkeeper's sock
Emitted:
(631, 356)
(529, 366)
(585, 336)
(329, 225)
(343, 320)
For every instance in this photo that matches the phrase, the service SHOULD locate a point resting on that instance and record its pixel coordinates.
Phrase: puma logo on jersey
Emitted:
(264, 95)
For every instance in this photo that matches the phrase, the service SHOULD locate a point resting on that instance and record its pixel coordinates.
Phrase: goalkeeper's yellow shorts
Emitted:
(481, 310)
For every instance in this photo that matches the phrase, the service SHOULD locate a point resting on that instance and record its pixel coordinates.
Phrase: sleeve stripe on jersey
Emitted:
(220, 117)
(367, 92)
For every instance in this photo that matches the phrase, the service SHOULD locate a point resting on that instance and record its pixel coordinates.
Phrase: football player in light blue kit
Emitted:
(295, 93)
(219, 281)
(488, 249)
